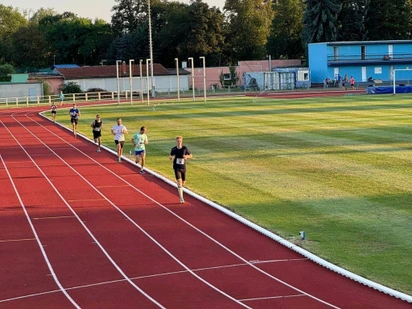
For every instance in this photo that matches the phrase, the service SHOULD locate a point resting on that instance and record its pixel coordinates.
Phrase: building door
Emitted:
(364, 76)
(335, 73)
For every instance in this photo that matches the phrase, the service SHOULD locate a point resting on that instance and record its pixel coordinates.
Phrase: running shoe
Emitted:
(98, 149)
(142, 172)
(182, 201)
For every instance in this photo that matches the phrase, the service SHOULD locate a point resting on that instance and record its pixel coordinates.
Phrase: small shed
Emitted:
(278, 79)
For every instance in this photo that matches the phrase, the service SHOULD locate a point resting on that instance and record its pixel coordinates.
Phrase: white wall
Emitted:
(162, 83)
(17, 90)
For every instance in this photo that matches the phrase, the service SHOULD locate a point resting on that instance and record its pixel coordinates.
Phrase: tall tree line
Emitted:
(243, 30)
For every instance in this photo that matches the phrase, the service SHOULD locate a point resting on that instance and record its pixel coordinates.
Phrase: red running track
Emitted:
(79, 230)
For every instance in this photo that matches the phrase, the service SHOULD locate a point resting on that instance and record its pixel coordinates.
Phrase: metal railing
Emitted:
(370, 57)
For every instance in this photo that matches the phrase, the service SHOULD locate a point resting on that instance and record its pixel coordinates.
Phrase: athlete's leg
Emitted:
(178, 175)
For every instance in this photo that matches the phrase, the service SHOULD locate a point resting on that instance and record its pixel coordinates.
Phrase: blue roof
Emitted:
(65, 66)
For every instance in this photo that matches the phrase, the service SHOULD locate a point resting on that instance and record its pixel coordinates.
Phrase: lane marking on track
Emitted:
(46, 258)
(122, 273)
(16, 240)
(123, 213)
(177, 216)
(119, 186)
(49, 218)
(272, 297)
(79, 287)
(86, 200)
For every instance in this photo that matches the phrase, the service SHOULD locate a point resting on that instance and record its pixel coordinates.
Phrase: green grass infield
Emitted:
(338, 168)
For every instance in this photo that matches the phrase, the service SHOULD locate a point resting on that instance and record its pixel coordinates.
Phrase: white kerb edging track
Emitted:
(282, 241)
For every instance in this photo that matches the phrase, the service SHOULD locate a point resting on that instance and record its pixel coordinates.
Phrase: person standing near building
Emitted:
(119, 130)
(139, 142)
(74, 113)
(352, 83)
(61, 98)
(54, 111)
(179, 154)
(97, 126)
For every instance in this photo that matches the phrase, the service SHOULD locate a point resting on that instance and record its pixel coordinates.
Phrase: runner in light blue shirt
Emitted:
(139, 142)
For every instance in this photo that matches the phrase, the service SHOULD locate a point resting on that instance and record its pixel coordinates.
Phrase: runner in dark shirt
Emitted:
(54, 111)
(74, 118)
(97, 126)
(179, 155)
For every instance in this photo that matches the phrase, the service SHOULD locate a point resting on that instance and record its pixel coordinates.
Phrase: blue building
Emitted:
(362, 60)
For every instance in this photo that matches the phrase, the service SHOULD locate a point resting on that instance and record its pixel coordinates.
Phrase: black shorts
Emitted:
(54, 112)
(73, 120)
(121, 143)
(180, 174)
(97, 134)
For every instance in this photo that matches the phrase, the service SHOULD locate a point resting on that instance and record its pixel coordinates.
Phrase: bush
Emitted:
(71, 88)
(96, 90)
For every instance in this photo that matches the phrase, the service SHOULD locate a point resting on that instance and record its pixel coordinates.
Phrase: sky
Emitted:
(90, 8)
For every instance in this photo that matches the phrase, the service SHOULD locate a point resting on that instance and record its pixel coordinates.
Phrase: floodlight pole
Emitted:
(148, 81)
(118, 81)
(204, 76)
(141, 80)
(193, 77)
(131, 79)
(178, 79)
(151, 48)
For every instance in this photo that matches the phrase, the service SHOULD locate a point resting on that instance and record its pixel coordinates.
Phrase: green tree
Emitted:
(204, 33)
(388, 20)
(5, 70)
(128, 15)
(248, 28)
(285, 40)
(320, 20)
(10, 21)
(41, 14)
(76, 40)
(30, 48)
(351, 20)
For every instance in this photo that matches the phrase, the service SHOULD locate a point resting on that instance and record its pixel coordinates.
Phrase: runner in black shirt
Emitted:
(97, 126)
(179, 155)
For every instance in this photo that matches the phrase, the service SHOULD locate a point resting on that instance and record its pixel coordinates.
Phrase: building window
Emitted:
(303, 75)
(226, 76)
(335, 53)
(363, 52)
(378, 70)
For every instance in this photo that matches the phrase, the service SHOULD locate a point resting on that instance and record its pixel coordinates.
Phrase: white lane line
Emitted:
(81, 222)
(191, 225)
(37, 237)
(130, 220)
(48, 218)
(85, 286)
(272, 297)
(86, 200)
(16, 240)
